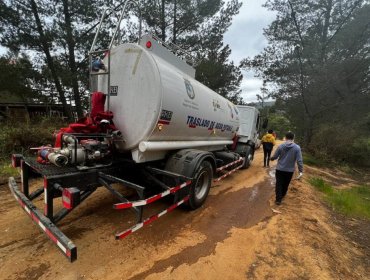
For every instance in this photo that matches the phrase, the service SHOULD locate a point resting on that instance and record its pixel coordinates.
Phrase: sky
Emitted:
(245, 38)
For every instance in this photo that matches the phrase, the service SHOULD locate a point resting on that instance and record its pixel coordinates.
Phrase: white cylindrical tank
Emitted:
(154, 101)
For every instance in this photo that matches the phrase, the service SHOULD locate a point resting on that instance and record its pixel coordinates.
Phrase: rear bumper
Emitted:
(53, 233)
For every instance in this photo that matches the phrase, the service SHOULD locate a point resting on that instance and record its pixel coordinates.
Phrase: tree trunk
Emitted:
(174, 22)
(71, 58)
(163, 22)
(49, 60)
(324, 35)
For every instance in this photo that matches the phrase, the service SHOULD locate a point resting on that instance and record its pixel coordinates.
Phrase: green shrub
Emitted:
(20, 137)
(360, 152)
(6, 170)
(339, 144)
(314, 161)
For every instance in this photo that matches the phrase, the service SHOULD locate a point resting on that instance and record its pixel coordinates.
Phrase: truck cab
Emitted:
(249, 124)
(248, 133)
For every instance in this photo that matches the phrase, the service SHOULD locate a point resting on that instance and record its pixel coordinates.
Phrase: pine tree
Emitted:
(317, 62)
(58, 34)
(198, 26)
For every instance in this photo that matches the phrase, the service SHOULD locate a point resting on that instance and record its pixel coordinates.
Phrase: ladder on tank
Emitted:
(95, 54)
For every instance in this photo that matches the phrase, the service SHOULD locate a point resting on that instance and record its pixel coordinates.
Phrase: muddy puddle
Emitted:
(221, 213)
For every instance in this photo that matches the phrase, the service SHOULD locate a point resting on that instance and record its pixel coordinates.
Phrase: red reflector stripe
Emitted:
(172, 207)
(228, 165)
(46, 226)
(151, 219)
(227, 174)
(124, 205)
(35, 218)
(154, 198)
(163, 122)
(175, 189)
(52, 237)
(124, 234)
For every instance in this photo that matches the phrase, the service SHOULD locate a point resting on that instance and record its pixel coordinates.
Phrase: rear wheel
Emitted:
(201, 185)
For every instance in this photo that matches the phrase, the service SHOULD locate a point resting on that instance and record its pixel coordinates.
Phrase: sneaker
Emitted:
(277, 202)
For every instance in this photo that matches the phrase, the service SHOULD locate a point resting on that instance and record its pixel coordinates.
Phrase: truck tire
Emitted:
(248, 157)
(201, 185)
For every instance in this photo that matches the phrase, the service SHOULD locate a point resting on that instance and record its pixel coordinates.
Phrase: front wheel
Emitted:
(201, 185)
(248, 157)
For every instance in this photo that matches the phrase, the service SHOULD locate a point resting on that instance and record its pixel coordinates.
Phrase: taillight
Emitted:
(16, 160)
(70, 197)
(148, 44)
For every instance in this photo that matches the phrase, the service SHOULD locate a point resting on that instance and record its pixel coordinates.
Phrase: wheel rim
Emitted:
(201, 185)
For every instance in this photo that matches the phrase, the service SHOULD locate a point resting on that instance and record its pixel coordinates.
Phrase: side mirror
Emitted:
(265, 123)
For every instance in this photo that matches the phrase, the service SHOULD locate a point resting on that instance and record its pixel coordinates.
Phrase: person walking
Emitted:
(268, 142)
(287, 154)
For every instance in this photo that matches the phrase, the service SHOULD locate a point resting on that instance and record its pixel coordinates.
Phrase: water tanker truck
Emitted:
(153, 131)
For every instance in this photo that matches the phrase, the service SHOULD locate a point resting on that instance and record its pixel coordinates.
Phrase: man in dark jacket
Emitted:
(287, 154)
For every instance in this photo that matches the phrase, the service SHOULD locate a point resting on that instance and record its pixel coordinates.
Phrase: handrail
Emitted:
(175, 49)
(92, 49)
(119, 23)
(98, 29)
(120, 19)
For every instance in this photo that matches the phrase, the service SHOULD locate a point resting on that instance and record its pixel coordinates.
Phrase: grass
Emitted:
(321, 185)
(6, 170)
(353, 202)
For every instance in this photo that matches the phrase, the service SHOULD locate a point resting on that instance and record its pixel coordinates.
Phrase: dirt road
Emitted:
(237, 234)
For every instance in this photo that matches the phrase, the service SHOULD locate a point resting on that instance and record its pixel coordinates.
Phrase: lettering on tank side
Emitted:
(194, 122)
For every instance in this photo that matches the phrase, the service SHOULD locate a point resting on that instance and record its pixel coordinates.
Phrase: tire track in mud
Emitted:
(32, 272)
(241, 209)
